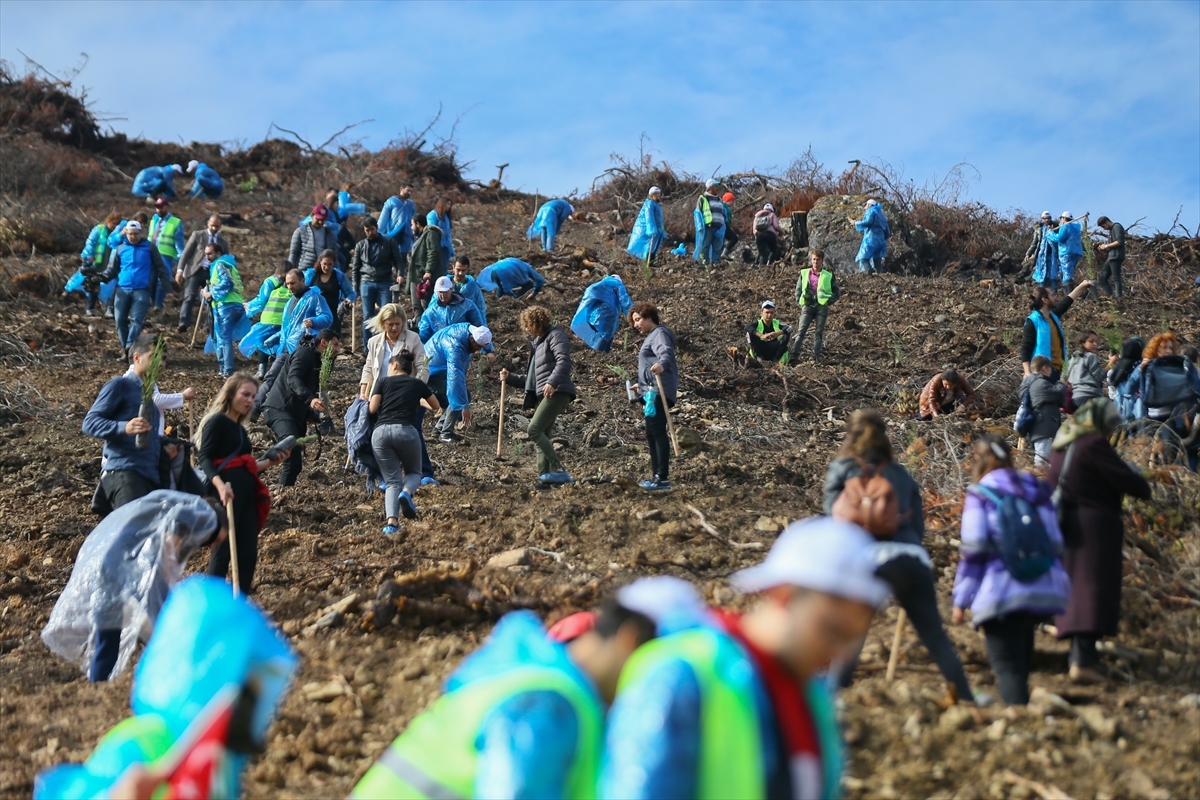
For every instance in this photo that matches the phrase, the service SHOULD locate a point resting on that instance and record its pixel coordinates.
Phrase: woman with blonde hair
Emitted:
(903, 561)
(548, 387)
(392, 337)
(231, 474)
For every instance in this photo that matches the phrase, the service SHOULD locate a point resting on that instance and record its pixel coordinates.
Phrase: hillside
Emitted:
(755, 442)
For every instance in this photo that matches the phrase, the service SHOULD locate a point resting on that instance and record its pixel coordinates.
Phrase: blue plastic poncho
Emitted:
(75, 282)
(208, 183)
(155, 180)
(345, 208)
(680, 250)
(508, 274)
(310, 306)
(471, 291)
(1046, 270)
(448, 352)
(875, 231)
(713, 253)
(549, 219)
(443, 225)
(605, 303)
(395, 222)
(344, 285)
(527, 742)
(123, 573)
(1069, 238)
(648, 231)
(437, 316)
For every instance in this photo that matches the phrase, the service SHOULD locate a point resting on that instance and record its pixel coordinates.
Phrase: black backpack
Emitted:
(1165, 383)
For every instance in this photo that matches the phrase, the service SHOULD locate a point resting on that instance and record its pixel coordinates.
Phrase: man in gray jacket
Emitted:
(192, 270)
(308, 241)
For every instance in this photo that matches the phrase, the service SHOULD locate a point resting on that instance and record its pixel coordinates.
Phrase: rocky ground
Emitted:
(755, 445)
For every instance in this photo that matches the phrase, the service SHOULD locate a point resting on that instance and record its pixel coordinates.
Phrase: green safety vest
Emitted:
(762, 328)
(272, 313)
(162, 233)
(436, 756)
(824, 286)
(234, 296)
(730, 762)
(137, 740)
(101, 248)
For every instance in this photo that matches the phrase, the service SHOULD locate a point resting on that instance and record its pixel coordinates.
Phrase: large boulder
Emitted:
(830, 228)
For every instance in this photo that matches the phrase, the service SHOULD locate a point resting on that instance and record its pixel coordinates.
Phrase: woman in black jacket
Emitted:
(548, 387)
(231, 473)
(903, 562)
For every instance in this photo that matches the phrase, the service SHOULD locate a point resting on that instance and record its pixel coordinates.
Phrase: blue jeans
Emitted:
(129, 308)
(426, 464)
(225, 317)
(374, 297)
(106, 647)
(160, 291)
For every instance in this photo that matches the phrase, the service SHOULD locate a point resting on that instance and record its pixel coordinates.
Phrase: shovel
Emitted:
(500, 430)
(196, 329)
(901, 618)
(233, 553)
(670, 422)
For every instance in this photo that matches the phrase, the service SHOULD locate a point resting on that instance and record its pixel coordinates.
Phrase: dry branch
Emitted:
(705, 526)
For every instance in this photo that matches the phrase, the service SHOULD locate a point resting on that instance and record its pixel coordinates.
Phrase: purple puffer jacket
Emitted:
(982, 583)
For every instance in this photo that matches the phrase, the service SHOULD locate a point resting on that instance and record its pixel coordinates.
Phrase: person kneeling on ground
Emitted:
(735, 706)
(547, 385)
(396, 402)
(1007, 608)
(122, 575)
(1046, 397)
(768, 337)
(943, 392)
(523, 716)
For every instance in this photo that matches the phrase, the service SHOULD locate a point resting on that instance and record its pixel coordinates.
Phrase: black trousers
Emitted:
(659, 438)
(191, 296)
(1010, 651)
(245, 520)
(1083, 650)
(768, 246)
(772, 350)
(283, 424)
(1111, 270)
(124, 486)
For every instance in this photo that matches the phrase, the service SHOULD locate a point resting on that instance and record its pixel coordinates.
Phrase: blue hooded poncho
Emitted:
(648, 231)
(599, 315)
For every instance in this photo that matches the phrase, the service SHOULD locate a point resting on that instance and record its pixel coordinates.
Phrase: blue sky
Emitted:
(1079, 106)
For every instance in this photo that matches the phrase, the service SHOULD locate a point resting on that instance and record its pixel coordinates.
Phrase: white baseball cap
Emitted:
(481, 336)
(1046, 215)
(769, 207)
(654, 190)
(711, 182)
(177, 168)
(133, 225)
(1067, 215)
(444, 284)
(192, 165)
(768, 304)
(822, 554)
(664, 599)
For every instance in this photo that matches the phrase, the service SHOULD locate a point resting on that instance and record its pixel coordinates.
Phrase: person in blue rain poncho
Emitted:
(1044, 253)
(95, 259)
(441, 216)
(216, 665)
(449, 308)
(511, 277)
(208, 184)
(396, 217)
(550, 218)
(230, 323)
(605, 303)
(449, 352)
(876, 232)
(522, 716)
(467, 286)
(156, 180)
(1069, 238)
(648, 230)
(306, 312)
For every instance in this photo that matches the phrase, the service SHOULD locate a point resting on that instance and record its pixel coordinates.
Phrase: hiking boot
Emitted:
(262, 372)
(1084, 675)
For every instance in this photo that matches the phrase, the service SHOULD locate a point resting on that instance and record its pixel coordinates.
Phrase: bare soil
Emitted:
(756, 444)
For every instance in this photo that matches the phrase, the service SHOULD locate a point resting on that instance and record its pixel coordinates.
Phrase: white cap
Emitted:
(661, 598)
(177, 168)
(768, 304)
(1046, 215)
(870, 203)
(1067, 215)
(822, 554)
(769, 207)
(444, 284)
(133, 225)
(481, 336)
(653, 191)
(711, 182)
(192, 165)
